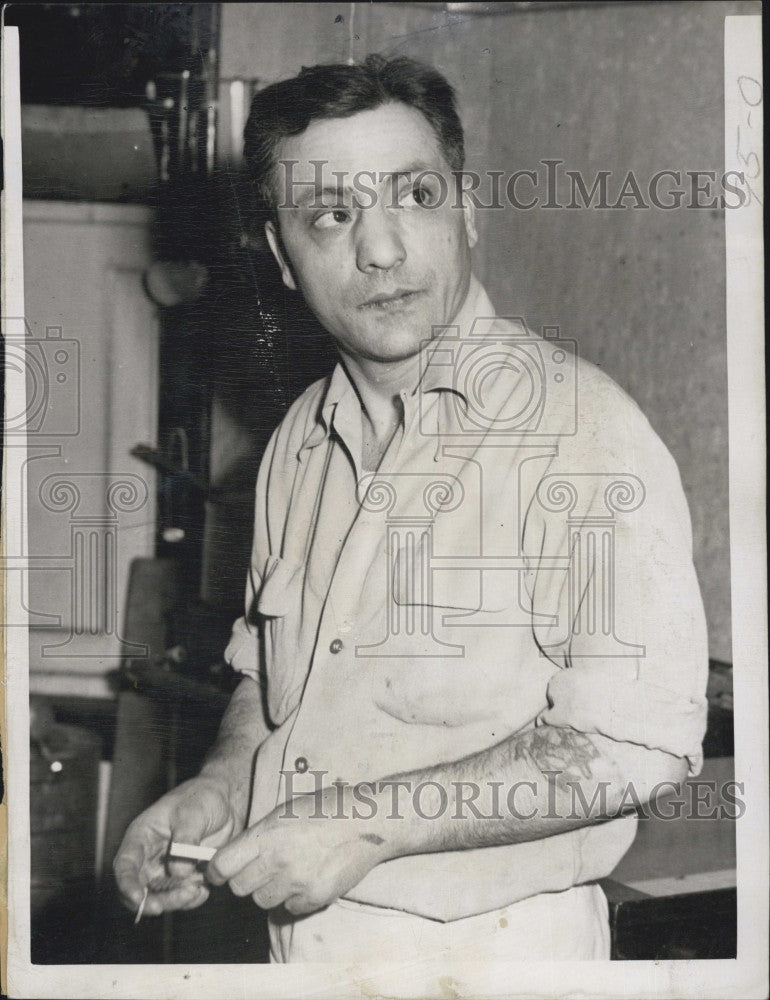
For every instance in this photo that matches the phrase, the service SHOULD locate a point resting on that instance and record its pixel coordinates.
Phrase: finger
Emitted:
(136, 864)
(199, 899)
(252, 877)
(271, 894)
(181, 897)
(180, 869)
(299, 905)
(130, 886)
(235, 856)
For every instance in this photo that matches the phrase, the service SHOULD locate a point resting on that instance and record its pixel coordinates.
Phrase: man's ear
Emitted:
(274, 241)
(469, 213)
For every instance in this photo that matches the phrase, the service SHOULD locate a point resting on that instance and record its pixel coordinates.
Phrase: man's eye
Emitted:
(331, 220)
(422, 194)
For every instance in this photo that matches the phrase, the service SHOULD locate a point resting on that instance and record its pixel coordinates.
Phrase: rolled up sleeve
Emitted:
(243, 649)
(628, 630)
(598, 699)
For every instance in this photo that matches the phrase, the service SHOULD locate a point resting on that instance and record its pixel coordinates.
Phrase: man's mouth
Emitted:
(391, 300)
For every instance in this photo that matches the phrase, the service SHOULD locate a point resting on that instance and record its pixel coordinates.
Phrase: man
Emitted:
(473, 631)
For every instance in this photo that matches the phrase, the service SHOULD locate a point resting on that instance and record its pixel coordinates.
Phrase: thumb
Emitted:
(198, 818)
(191, 822)
(201, 812)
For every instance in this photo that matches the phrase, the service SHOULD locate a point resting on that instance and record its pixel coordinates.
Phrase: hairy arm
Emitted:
(532, 785)
(242, 731)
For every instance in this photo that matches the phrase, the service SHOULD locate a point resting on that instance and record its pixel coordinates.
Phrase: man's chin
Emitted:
(398, 349)
(399, 343)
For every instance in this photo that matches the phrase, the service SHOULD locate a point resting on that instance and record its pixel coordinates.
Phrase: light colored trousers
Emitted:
(556, 926)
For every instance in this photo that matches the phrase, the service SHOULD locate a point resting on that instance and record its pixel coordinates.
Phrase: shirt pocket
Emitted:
(419, 580)
(279, 607)
(466, 676)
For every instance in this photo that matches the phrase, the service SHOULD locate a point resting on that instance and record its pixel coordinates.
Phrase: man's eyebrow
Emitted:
(414, 170)
(310, 193)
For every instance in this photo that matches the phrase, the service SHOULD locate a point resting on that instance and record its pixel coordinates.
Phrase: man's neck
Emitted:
(379, 384)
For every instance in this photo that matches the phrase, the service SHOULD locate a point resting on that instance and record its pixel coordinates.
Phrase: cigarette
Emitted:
(192, 852)
(140, 911)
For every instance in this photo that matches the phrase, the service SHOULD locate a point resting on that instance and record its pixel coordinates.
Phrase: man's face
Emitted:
(377, 265)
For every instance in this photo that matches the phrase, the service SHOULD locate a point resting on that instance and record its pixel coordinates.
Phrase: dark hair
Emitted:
(338, 91)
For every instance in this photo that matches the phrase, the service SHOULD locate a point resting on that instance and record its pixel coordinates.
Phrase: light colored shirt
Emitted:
(522, 557)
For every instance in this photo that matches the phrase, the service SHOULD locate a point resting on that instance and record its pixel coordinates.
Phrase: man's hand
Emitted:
(302, 860)
(198, 811)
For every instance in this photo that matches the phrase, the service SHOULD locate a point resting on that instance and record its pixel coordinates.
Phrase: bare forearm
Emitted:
(309, 852)
(533, 785)
(241, 732)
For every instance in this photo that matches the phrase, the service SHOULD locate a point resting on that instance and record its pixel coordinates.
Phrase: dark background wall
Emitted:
(617, 87)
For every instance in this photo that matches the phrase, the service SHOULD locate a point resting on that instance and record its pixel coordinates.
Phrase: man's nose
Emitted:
(379, 246)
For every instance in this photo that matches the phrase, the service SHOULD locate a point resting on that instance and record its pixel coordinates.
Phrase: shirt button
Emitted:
(335, 646)
(300, 764)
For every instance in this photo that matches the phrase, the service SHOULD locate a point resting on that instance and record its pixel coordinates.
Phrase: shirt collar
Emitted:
(476, 316)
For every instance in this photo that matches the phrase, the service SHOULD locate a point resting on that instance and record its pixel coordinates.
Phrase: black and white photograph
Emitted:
(383, 536)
